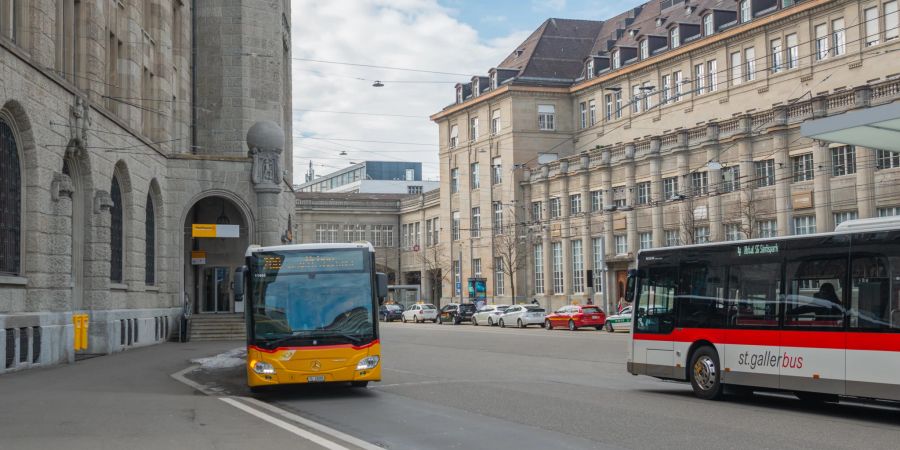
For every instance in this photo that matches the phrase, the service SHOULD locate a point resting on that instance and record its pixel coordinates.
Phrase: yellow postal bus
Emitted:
(312, 314)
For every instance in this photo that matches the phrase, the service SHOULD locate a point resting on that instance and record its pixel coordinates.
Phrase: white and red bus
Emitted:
(816, 315)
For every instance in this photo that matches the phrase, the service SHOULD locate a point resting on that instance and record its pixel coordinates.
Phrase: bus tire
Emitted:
(359, 384)
(705, 374)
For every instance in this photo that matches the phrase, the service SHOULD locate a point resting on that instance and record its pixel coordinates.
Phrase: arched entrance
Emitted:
(217, 232)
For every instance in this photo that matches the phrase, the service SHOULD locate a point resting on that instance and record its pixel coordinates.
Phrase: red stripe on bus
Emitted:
(314, 347)
(785, 338)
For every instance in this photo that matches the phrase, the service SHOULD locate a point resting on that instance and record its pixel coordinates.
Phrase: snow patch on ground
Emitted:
(231, 358)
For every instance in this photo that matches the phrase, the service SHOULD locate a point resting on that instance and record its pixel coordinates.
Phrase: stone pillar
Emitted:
(266, 141)
(682, 157)
(608, 219)
(865, 182)
(96, 271)
(822, 187)
(657, 195)
(546, 239)
(567, 230)
(587, 251)
(783, 203)
(631, 199)
(748, 173)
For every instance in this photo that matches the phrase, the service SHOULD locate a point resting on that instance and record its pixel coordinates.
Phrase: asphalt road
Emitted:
(470, 387)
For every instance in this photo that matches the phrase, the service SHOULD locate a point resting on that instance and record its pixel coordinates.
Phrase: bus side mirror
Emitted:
(630, 286)
(382, 286)
(239, 283)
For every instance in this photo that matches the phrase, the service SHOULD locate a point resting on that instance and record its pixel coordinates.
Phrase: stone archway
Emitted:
(208, 281)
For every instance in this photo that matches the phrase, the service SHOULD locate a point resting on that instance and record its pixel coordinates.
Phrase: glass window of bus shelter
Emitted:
(815, 290)
(701, 289)
(753, 291)
(656, 300)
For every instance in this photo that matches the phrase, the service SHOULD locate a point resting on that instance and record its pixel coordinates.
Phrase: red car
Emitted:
(574, 317)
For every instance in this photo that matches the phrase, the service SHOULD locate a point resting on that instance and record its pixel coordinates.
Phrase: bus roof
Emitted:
(874, 224)
(294, 247)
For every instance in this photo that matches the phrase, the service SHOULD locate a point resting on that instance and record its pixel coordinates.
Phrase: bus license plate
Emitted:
(315, 379)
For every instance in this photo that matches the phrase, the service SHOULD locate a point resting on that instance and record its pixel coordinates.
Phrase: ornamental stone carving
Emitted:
(265, 141)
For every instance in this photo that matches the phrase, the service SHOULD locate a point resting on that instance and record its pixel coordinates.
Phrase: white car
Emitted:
(522, 315)
(420, 313)
(620, 321)
(488, 314)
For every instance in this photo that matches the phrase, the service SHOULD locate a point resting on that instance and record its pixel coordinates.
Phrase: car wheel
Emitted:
(548, 325)
(521, 325)
(440, 320)
(609, 327)
(490, 322)
(474, 321)
(403, 319)
(704, 373)
(433, 320)
(415, 319)
(457, 321)
(502, 325)
(359, 384)
(572, 326)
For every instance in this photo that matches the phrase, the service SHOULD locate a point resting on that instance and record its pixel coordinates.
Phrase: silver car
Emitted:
(522, 316)
(488, 314)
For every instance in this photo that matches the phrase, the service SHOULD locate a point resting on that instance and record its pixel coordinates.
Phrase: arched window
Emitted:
(116, 238)
(10, 203)
(150, 241)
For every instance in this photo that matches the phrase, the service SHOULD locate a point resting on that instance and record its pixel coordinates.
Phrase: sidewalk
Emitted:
(128, 401)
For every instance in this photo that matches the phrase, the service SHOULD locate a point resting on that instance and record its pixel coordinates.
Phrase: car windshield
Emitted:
(502, 308)
(534, 309)
(428, 306)
(467, 307)
(590, 310)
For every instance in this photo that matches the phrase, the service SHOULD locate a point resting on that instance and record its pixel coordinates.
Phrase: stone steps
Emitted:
(218, 327)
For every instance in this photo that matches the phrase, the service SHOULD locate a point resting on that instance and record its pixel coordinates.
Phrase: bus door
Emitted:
(700, 299)
(654, 312)
(812, 357)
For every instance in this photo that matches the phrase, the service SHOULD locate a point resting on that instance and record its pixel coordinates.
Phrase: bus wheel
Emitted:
(705, 373)
(817, 397)
(359, 384)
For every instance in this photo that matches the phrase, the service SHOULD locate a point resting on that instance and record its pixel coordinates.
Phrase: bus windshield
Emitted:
(325, 296)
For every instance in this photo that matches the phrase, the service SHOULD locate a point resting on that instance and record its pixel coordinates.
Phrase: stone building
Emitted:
(673, 123)
(112, 146)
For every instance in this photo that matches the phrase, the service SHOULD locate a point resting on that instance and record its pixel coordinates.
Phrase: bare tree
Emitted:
(434, 266)
(509, 254)
(748, 212)
(689, 221)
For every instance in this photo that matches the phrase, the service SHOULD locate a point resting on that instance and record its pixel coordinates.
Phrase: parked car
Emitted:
(574, 317)
(390, 313)
(620, 321)
(420, 312)
(456, 313)
(522, 316)
(488, 314)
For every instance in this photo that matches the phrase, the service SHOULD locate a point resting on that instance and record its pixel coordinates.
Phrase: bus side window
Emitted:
(815, 292)
(871, 305)
(700, 296)
(656, 301)
(753, 291)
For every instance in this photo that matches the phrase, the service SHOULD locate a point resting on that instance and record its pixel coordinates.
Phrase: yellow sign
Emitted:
(211, 230)
(198, 258)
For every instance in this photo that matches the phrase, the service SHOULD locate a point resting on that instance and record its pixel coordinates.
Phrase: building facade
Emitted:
(673, 123)
(112, 146)
(349, 179)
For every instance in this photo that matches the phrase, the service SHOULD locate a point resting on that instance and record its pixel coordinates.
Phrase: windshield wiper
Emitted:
(282, 340)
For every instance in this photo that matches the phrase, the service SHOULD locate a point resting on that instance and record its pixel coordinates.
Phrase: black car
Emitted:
(390, 313)
(456, 313)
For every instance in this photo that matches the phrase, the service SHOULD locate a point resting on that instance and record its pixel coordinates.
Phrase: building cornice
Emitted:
(493, 95)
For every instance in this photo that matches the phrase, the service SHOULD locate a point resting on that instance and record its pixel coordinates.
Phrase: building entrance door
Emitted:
(621, 281)
(216, 295)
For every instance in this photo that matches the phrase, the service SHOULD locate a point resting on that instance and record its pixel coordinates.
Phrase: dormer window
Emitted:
(494, 81)
(674, 38)
(459, 94)
(660, 21)
(589, 69)
(615, 60)
(746, 13)
(708, 28)
(475, 88)
(645, 49)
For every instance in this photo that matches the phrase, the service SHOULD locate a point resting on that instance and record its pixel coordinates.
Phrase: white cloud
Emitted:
(400, 33)
(548, 5)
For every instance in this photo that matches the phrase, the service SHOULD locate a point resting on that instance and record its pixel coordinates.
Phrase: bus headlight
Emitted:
(367, 363)
(263, 368)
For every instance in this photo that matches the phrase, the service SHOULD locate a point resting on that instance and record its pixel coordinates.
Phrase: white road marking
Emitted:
(180, 377)
(284, 425)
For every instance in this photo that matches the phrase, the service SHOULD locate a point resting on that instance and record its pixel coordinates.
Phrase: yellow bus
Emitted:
(312, 314)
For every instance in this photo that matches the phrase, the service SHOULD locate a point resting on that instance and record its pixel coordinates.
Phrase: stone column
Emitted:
(656, 191)
(546, 239)
(567, 230)
(822, 186)
(587, 251)
(865, 182)
(783, 203)
(266, 141)
(96, 271)
(748, 173)
(608, 219)
(714, 202)
(631, 199)
(683, 159)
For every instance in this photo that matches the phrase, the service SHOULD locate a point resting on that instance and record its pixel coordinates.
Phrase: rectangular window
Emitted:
(708, 29)
(538, 268)
(584, 112)
(574, 204)
(814, 290)
(643, 193)
(556, 253)
(498, 218)
(328, 233)
(670, 188)
(753, 290)
(383, 235)
(733, 232)
(536, 211)
(872, 32)
(731, 179)
(454, 181)
(736, 65)
(597, 244)
(645, 49)
(746, 13)
(498, 275)
(618, 97)
(476, 222)
(765, 172)
(700, 183)
(674, 37)
(609, 106)
(647, 91)
(454, 226)
(476, 267)
(454, 136)
(793, 51)
(429, 232)
(873, 294)
(844, 216)
(886, 159)
(891, 21)
(821, 41)
(843, 160)
(496, 171)
(699, 79)
(802, 167)
(666, 88)
(701, 235)
(750, 60)
(495, 122)
(838, 37)
(672, 239)
(546, 117)
(656, 303)
(592, 110)
(679, 81)
(646, 240)
(473, 129)
(776, 55)
(889, 211)
(616, 62)
(766, 229)
(355, 233)
(804, 225)
(418, 234)
(577, 266)
(621, 244)
(635, 99)
(555, 208)
(589, 69)
(404, 236)
(596, 201)
(712, 75)
(475, 175)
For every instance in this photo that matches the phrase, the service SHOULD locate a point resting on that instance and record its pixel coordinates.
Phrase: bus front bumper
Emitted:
(303, 365)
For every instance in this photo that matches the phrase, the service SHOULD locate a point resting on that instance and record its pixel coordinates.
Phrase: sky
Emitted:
(457, 38)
